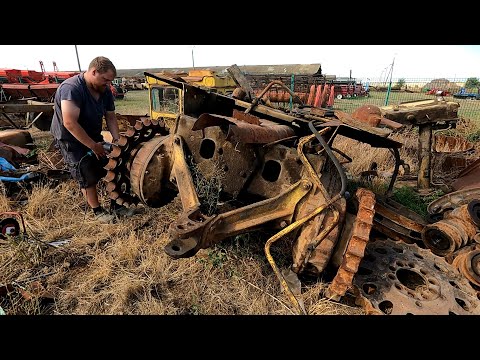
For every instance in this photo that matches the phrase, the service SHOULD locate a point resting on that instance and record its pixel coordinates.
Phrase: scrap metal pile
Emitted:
(278, 171)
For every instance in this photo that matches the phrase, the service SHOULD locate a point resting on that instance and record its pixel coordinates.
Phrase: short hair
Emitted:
(102, 65)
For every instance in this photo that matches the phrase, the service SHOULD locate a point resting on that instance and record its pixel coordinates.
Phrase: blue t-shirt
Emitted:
(91, 111)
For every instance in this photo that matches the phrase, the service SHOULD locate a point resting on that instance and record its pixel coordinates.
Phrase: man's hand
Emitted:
(98, 150)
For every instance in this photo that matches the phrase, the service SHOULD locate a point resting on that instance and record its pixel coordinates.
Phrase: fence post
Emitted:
(388, 93)
(292, 87)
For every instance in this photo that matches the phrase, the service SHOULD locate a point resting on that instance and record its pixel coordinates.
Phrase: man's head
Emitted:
(101, 72)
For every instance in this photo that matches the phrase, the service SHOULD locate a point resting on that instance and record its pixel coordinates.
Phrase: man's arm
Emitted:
(112, 124)
(70, 114)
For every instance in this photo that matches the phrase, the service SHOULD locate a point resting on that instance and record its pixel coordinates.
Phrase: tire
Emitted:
(339, 96)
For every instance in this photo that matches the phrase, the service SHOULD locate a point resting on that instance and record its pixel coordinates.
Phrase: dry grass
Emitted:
(382, 157)
(122, 269)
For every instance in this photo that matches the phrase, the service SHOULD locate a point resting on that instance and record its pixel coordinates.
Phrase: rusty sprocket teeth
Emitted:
(120, 159)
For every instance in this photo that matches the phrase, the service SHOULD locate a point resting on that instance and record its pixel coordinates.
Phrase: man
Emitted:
(80, 104)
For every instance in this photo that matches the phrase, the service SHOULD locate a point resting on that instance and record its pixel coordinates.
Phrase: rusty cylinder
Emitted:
(455, 231)
(468, 264)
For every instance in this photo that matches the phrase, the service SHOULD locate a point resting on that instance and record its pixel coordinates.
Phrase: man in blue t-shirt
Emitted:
(81, 103)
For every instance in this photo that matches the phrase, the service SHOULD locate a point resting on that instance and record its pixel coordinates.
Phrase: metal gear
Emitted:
(121, 159)
(398, 278)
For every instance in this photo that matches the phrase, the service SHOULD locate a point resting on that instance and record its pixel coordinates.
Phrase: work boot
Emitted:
(123, 211)
(104, 217)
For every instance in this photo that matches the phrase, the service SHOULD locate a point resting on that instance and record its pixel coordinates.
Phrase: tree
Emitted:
(400, 83)
(472, 83)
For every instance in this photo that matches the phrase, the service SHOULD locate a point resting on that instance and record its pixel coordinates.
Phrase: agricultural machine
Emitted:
(280, 172)
(26, 96)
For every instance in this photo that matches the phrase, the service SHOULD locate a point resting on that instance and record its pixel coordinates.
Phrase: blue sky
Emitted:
(364, 61)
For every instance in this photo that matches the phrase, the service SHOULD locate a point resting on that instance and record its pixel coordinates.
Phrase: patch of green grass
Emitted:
(135, 102)
(407, 196)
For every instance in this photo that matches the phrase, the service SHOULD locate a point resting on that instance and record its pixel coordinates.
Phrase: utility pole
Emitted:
(390, 83)
(78, 60)
(193, 60)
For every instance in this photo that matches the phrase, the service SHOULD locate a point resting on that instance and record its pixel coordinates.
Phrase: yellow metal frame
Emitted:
(205, 79)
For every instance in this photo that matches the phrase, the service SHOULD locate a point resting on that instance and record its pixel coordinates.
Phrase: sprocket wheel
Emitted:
(398, 278)
(121, 158)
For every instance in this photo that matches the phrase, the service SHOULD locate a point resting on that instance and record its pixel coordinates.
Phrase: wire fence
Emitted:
(353, 93)
(381, 92)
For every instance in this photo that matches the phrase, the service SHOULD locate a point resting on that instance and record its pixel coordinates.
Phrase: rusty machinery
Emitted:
(278, 172)
(427, 115)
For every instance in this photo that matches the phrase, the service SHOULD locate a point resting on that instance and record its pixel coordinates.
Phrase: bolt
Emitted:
(307, 186)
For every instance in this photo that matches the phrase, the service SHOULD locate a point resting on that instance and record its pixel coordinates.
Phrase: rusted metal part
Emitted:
(241, 80)
(331, 97)
(316, 252)
(347, 119)
(397, 221)
(426, 114)
(239, 93)
(317, 238)
(445, 236)
(264, 91)
(241, 131)
(210, 150)
(282, 96)
(151, 169)
(121, 159)
(391, 124)
(311, 95)
(467, 262)
(456, 230)
(356, 246)
(272, 263)
(125, 119)
(249, 118)
(398, 279)
(325, 94)
(452, 200)
(422, 112)
(318, 97)
(451, 144)
(473, 209)
(469, 178)
(424, 156)
(368, 114)
(183, 179)
(287, 230)
(193, 231)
